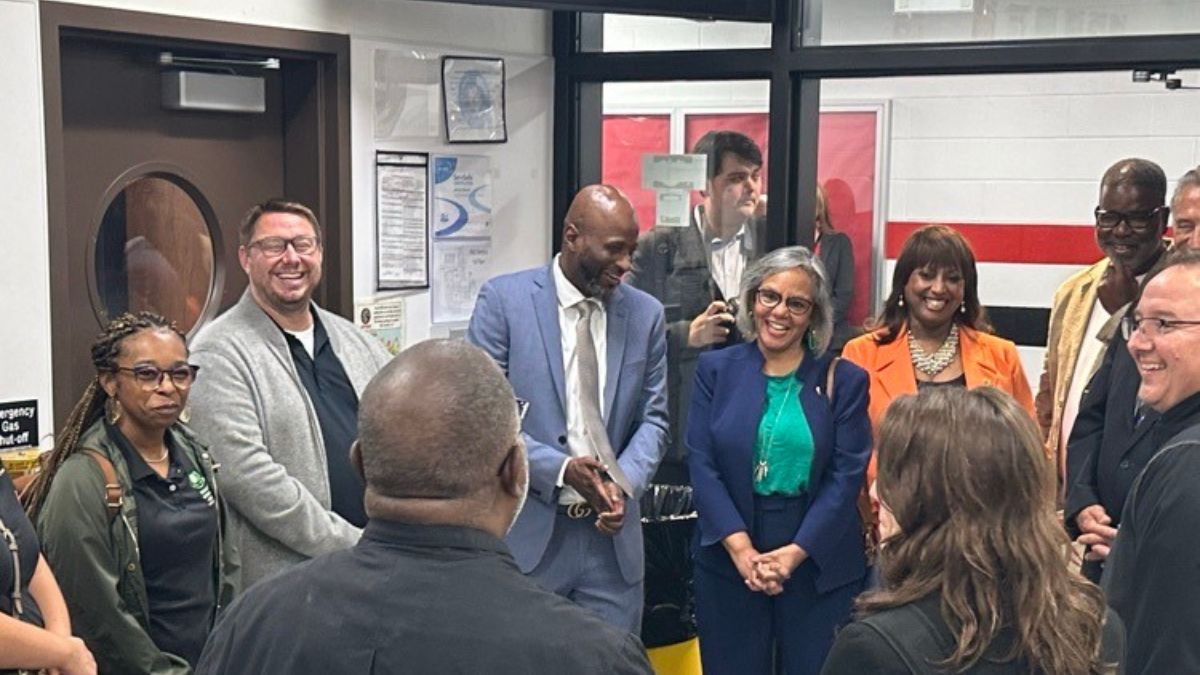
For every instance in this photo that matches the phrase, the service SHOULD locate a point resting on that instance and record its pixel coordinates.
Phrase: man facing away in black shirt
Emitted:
(431, 586)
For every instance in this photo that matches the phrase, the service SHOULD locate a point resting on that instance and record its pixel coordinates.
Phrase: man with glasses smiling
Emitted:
(1150, 577)
(1112, 438)
(279, 398)
(1131, 219)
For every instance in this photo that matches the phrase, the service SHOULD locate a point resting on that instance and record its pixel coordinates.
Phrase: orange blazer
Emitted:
(986, 360)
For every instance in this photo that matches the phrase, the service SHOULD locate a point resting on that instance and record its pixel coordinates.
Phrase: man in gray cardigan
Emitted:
(277, 399)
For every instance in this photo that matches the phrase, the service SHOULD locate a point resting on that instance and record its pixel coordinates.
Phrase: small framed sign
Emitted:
(473, 98)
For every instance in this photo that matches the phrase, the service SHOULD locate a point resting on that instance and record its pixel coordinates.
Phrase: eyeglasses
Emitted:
(151, 377)
(1151, 326)
(795, 304)
(1138, 221)
(273, 247)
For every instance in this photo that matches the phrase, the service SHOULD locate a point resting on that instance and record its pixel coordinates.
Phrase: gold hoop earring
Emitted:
(185, 415)
(112, 411)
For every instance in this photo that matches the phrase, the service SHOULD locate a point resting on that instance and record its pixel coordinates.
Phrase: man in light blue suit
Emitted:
(589, 354)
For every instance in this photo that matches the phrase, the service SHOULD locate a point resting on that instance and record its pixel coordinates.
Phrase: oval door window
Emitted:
(154, 252)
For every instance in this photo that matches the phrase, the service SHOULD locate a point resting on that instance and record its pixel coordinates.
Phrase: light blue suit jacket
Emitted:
(516, 321)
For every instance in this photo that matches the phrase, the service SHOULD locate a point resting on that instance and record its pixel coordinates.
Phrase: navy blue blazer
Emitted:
(727, 403)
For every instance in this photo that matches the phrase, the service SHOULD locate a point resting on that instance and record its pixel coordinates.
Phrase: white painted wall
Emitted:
(521, 171)
(629, 32)
(840, 22)
(522, 166)
(25, 255)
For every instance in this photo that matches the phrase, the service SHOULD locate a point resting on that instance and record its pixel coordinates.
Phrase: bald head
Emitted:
(599, 237)
(435, 424)
(1142, 174)
(598, 205)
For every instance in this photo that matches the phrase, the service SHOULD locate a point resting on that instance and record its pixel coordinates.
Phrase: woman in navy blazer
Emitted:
(776, 465)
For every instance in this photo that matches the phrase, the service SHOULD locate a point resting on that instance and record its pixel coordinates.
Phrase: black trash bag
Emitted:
(668, 523)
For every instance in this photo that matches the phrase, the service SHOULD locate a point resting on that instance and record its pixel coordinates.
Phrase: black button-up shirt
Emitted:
(414, 598)
(177, 537)
(336, 403)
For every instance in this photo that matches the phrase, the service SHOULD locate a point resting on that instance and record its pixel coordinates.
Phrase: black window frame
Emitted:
(795, 72)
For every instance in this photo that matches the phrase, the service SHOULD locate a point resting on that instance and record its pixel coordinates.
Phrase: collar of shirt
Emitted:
(1181, 416)
(139, 470)
(320, 339)
(744, 236)
(397, 533)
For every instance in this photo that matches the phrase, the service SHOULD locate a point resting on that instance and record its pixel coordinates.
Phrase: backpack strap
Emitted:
(829, 378)
(911, 634)
(113, 494)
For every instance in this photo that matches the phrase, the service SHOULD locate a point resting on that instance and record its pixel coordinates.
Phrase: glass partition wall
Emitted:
(995, 118)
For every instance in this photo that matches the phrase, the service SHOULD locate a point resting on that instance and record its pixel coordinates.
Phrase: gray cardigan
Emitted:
(249, 406)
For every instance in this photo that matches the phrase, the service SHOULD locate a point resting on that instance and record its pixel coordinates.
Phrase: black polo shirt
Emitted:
(336, 403)
(177, 536)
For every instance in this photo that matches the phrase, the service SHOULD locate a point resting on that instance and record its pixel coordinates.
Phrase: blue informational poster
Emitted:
(462, 196)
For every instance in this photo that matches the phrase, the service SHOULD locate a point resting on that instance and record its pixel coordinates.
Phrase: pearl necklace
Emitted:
(932, 364)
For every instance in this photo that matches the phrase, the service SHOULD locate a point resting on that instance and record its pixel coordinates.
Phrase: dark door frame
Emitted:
(316, 134)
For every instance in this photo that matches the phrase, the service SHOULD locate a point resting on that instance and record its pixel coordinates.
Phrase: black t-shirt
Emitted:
(14, 523)
(177, 537)
(336, 404)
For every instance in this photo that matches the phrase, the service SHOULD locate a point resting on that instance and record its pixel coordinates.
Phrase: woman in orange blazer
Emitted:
(933, 332)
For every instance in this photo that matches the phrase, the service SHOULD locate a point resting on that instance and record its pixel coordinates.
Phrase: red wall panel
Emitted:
(625, 139)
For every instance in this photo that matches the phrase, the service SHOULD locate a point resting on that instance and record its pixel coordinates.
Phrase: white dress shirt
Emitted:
(727, 257)
(570, 300)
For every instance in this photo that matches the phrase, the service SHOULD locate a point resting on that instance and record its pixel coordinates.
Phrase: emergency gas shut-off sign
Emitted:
(18, 424)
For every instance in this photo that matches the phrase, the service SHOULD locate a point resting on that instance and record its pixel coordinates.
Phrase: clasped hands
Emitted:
(589, 478)
(763, 572)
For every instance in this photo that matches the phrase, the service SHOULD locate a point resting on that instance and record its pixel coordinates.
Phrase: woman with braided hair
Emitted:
(128, 510)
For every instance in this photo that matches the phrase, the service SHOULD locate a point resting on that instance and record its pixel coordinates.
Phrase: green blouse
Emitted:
(783, 450)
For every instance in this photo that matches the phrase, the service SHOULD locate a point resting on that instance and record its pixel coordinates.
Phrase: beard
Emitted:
(592, 273)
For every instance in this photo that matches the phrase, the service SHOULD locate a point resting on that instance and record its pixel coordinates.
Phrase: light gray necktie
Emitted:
(589, 397)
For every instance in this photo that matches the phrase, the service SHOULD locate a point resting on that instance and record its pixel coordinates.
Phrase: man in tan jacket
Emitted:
(1131, 219)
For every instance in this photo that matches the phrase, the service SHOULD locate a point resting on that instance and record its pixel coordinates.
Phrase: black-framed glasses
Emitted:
(1151, 326)
(795, 304)
(151, 377)
(273, 247)
(1138, 221)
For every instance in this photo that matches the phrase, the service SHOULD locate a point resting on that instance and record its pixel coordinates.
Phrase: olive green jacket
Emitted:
(97, 562)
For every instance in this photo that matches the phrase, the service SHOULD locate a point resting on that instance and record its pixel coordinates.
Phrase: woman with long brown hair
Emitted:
(128, 508)
(972, 560)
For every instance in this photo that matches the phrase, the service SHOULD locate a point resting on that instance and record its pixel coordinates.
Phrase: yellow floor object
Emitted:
(677, 659)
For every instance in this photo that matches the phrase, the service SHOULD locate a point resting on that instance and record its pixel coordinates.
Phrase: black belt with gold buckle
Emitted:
(576, 511)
